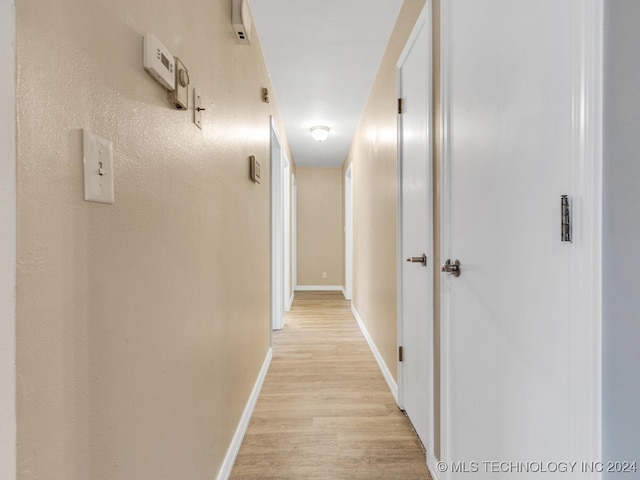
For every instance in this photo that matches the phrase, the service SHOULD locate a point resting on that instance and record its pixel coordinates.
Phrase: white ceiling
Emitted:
(323, 56)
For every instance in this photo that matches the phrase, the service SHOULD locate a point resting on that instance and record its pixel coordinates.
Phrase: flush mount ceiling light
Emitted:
(319, 133)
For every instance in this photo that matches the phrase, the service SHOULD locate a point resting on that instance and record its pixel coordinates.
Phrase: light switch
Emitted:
(98, 168)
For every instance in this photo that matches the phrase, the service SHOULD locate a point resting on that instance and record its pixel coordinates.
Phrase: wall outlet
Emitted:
(324, 274)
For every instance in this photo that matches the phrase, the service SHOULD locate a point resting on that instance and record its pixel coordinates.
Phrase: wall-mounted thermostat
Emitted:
(179, 97)
(159, 62)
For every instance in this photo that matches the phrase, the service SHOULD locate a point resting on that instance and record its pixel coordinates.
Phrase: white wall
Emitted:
(7, 241)
(621, 226)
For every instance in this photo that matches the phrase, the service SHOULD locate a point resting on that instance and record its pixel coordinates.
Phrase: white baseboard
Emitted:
(319, 288)
(393, 386)
(432, 465)
(293, 294)
(234, 448)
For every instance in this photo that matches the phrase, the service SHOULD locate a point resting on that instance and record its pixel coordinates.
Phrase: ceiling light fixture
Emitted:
(319, 133)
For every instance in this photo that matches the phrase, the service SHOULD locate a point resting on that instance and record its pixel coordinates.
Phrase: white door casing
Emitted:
(294, 229)
(415, 217)
(7, 242)
(286, 205)
(277, 229)
(348, 233)
(520, 326)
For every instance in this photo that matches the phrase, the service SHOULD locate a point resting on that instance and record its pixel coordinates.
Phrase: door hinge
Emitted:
(399, 106)
(566, 218)
(400, 353)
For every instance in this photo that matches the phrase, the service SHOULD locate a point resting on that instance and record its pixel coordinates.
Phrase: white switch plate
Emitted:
(98, 168)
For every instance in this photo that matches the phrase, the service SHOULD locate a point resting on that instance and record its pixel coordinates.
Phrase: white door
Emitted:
(515, 108)
(416, 234)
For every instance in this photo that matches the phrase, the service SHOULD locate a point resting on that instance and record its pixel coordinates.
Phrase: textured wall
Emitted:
(374, 155)
(141, 325)
(621, 231)
(320, 226)
(7, 243)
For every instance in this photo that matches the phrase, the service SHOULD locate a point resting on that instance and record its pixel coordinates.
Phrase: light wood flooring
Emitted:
(325, 411)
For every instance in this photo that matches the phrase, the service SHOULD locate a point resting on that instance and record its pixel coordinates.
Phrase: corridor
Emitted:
(325, 411)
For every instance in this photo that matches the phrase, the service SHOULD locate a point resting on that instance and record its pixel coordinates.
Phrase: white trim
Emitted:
(8, 241)
(286, 217)
(399, 207)
(319, 288)
(586, 254)
(445, 212)
(393, 387)
(348, 233)
(277, 160)
(293, 294)
(241, 430)
(432, 465)
(294, 230)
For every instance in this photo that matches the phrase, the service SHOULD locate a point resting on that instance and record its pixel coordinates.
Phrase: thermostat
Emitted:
(179, 97)
(159, 62)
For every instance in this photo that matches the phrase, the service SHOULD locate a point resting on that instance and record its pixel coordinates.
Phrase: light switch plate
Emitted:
(197, 109)
(98, 168)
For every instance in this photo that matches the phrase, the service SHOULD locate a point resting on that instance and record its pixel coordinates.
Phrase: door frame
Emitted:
(294, 235)
(586, 252)
(286, 205)
(8, 263)
(277, 161)
(348, 233)
(424, 20)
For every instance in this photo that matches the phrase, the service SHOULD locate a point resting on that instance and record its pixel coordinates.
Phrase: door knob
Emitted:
(422, 259)
(451, 268)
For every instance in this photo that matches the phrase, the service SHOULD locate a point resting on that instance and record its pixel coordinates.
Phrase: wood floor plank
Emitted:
(325, 411)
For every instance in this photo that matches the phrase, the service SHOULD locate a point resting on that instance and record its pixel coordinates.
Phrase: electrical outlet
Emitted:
(324, 274)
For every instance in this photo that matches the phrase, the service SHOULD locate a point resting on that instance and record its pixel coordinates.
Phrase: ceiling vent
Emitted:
(241, 21)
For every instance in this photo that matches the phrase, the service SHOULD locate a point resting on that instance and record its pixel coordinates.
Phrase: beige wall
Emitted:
(142, 325)
(373, 154)
(320, 226)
